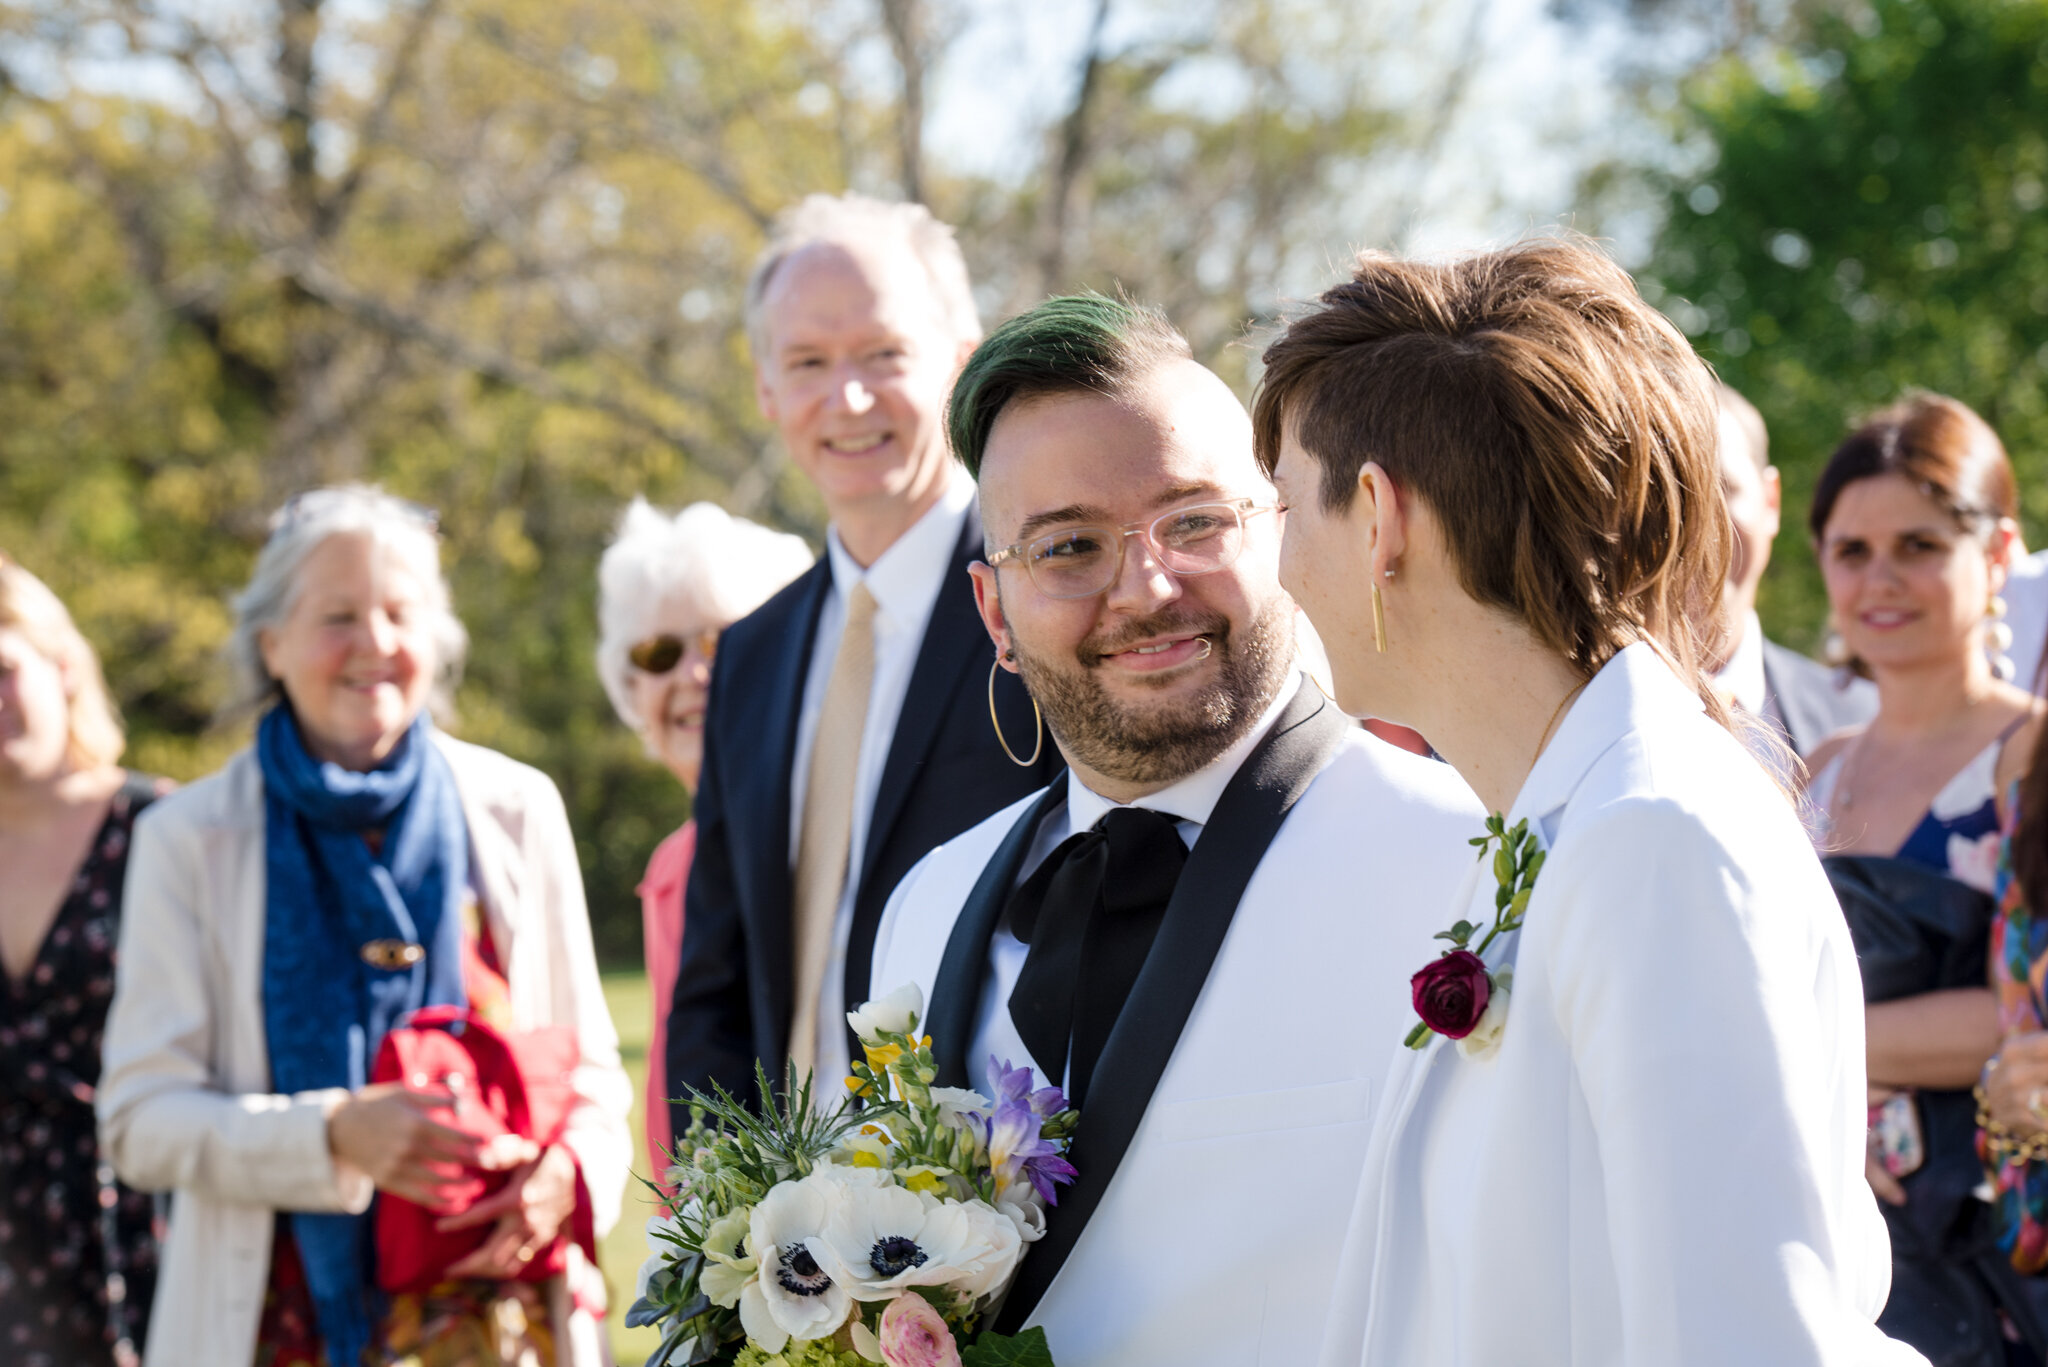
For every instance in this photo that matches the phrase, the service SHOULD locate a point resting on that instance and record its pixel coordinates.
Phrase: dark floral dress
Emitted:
(77, 1249)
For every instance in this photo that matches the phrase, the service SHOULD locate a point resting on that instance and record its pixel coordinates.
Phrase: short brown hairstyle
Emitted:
(1560, 430)
(1937, 443)
(28, 606)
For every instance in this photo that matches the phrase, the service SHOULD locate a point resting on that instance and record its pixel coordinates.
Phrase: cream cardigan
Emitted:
(184, 1099)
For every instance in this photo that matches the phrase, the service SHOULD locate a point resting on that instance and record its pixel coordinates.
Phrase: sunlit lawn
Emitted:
(626, 1248)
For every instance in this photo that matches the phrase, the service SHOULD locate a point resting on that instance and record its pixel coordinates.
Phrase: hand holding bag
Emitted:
(519, 1083)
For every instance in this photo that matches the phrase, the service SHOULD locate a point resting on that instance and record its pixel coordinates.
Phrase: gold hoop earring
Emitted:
(993, 720)
(1379, 621)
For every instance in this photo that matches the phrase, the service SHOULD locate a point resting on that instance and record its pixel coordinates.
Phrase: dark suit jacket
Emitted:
(1807, 702)
(944, 773)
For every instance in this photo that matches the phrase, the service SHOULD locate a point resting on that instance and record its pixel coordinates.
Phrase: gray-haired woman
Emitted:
(666, 587)
(284, 914)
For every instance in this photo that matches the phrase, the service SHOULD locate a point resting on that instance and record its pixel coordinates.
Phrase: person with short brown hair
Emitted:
(1504, 519)
(1803, 700)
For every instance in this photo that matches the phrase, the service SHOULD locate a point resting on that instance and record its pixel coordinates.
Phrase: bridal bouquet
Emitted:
(885, 1230)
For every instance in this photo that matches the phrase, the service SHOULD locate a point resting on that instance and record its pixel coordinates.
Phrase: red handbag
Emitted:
(519, 1083)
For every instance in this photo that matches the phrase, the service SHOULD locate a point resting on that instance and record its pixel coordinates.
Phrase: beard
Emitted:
(1162, 742)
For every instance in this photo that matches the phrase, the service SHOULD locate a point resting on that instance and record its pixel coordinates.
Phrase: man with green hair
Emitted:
(1203, 929)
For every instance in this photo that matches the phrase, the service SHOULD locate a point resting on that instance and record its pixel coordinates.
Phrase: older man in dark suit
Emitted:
(850, 728)
(1805, 701)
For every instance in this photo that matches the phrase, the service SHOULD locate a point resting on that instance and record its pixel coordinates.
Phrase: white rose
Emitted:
(1484, 1041)
(897, 1013)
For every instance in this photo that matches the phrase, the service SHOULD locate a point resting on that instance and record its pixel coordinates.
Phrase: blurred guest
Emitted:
(2013, 1090)
(666, 588)
(353, 864)
(2026, 593)
(77, 1256)
(1913, 520)
(1806, 702)
(857, 719)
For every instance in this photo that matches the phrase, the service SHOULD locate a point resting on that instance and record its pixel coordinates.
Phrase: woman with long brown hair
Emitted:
(1913, 523)
(1504, 519)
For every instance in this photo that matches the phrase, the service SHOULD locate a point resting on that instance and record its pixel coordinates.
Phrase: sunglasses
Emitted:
(660, 654)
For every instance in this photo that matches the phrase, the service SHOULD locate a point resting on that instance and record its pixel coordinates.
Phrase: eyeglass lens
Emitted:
(660, 654)
(1081, 562)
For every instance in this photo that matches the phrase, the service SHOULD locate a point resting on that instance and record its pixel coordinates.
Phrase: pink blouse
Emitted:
(661, 920)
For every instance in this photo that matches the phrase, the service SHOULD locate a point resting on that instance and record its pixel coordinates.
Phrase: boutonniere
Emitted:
(1456, 995)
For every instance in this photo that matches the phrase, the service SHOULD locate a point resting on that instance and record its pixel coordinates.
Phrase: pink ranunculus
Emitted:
(1450, 994)
(915, 1335)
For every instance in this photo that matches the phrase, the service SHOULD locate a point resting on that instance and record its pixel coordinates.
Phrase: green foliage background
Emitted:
(1872, 221)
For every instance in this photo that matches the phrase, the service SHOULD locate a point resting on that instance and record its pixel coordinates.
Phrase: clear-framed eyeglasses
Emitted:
(1080, 562)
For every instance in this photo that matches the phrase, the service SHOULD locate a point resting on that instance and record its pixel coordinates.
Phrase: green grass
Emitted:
(625, 1248)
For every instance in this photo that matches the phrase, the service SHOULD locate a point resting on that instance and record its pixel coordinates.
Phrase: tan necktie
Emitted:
(826, 838)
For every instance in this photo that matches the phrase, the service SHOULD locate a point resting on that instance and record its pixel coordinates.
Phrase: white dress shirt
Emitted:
(1189, 802)
(905, 581)
(1743, 675)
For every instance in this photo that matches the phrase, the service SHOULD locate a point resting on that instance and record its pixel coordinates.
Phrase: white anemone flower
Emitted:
(895, 1013)
(883, 1241)
(794, 1297)
(729, 1261)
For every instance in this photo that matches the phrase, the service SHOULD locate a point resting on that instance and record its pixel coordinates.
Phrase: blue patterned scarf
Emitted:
(325, 1008)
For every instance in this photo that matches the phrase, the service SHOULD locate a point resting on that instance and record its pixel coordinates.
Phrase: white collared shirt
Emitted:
(1743, 675)
(1190, 801)
(905, 581)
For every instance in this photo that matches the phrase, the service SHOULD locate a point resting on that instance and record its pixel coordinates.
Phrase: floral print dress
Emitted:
(1959, 834)
(78, 1251)
(2019, 973)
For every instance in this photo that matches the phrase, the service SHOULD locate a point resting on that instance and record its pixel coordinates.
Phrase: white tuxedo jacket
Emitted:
(1230, 1111)
(1663, 1164)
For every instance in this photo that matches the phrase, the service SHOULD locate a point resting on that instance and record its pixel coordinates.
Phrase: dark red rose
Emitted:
(1450, 994)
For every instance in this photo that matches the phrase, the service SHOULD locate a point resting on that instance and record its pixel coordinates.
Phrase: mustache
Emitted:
(1170, 623)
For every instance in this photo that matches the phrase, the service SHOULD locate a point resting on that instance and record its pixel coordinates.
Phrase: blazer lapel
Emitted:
(781, 706)
(1233, 841)
(963, 970)
(952, 639)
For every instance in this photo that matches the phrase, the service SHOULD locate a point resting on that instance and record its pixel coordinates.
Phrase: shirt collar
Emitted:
(1743, 675)
(905, 579)
(1634, 689)
(1192, 798)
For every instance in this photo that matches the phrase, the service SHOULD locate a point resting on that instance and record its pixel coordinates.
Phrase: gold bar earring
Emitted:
(1379, 621)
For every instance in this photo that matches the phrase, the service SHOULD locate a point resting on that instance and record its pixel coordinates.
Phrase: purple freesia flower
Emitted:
(1014, 1085)
(1016, 1147)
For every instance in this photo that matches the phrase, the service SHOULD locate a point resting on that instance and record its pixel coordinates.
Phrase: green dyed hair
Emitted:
(1072, 343)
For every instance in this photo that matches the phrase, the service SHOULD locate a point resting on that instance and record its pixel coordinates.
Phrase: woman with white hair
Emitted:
(77, 1249)
(283, 915)
(666, 588)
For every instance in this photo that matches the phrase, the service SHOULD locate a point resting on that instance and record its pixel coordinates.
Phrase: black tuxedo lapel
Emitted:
(782, 704)
(956, 991)
(953, 639)
(1233, 841)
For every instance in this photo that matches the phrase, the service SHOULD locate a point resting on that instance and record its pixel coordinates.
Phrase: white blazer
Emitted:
(1663, 1164)
(1216, 1239)
(185, 1103)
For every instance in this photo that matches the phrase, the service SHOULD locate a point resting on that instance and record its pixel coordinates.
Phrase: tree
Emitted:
(1871, 221)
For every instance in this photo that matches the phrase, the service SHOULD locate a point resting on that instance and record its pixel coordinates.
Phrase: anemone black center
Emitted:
(895, 1254)
(800, 1274)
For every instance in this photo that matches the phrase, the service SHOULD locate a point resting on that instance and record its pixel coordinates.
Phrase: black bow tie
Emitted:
(1090, 914)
